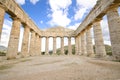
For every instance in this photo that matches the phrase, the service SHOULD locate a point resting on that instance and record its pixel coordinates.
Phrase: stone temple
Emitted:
(82, 35)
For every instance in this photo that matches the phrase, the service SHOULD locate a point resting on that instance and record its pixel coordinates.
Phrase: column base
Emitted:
(9, 58)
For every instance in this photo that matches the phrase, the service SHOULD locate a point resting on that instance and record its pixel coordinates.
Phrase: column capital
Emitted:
(3, 7)
(113, 7)
(97, 20)
(15, 18)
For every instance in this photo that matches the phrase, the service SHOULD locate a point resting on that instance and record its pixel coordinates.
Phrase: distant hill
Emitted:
(2, 48)
(3, 51)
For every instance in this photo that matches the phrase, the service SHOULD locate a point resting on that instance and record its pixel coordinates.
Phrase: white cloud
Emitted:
(59, 14)
(83, 6)
(59, 18)
(34, 1)
(79, 13)
(21, 2)
(41, 22)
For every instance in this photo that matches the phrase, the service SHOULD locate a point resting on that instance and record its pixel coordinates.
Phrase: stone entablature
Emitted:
(15, 10)
(97, 12)
(57, 32)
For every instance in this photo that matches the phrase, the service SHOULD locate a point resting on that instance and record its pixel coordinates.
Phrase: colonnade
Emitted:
(55, 47)
(86, 46)
(31, 44)
(35, 41)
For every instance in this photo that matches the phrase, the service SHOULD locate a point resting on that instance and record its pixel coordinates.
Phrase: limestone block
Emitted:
(99, 44)
(2, 13)
(25, 42)
(114, 28)
(14, 40)
(89, 44)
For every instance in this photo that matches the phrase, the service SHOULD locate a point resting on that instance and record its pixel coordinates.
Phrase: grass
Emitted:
(3, 67)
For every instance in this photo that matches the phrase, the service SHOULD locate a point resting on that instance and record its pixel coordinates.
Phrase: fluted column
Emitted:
(14, 39)
(47, 46)
(83, 45)
(114, 28)
(89, 44)
(39, 45)
(69, 46)
(99, 44)
(54, 45)
(25, 42)
(76, 45)
(36, 44)
(32, 44)
(2, 13)
(79, 44)
(62, 45)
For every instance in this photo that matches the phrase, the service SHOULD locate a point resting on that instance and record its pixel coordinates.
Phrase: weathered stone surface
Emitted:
(39, 45)
(2, 13)
(83, 44)
(62, 45)
(69, 46)
(99, 44)
(14, 39)
(24, 50)
(32, 44)
(79, 44)
(47, 46)
(57, 32)
(76, 45)
(114, 28)
(54, 45)
(89, 44)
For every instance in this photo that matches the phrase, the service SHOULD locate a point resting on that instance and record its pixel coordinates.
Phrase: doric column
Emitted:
(62, 45)
(39, 45)
(25, 42)
(54, 45)
(36, 44)
(99, 44)
(79, 44)
(89, 44)
(83, 44)
(14, 39)
(32, 43)
(2, 13)
(69, 46)
(114, 28)
(76, 45)
(47, 46)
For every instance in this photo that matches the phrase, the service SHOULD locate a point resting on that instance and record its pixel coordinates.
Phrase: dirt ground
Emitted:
(59, 68)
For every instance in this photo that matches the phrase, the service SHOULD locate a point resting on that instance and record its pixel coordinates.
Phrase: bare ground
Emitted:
(59, 68)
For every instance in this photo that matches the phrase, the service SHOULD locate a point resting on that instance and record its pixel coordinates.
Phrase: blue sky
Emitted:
(51, 13)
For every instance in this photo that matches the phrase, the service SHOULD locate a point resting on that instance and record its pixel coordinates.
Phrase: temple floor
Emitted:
(61, 67)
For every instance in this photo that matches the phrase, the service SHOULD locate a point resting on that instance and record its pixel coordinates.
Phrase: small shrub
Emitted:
(2, 53)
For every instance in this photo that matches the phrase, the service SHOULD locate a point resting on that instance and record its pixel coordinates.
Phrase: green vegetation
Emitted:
(107, 48)
(2, 53)
(3, 67)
